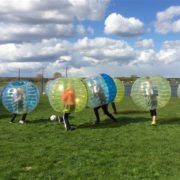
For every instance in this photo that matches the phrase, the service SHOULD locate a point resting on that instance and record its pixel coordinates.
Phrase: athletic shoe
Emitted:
(153, 123)
(21, 122)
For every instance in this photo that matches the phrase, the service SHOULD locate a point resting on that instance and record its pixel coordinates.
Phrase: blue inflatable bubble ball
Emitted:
(112, 90)
(20, 97)
(101, 90)
(1, 90)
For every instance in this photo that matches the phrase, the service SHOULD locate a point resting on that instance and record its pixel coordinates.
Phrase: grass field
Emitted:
(129, 149)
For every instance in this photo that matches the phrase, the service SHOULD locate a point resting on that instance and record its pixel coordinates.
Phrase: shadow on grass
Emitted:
(38, 121)
(3, 116)
(107, 123)
(43, 120)
(133, 112)
(172, 121)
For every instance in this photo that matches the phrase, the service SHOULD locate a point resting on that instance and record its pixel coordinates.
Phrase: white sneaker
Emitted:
(21, 122)
(153, 123)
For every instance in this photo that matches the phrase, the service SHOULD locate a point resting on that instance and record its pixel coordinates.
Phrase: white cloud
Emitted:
(89, 9)
(87, 56)
(61, 11)
(27, 68)
(46, 50)
(168, 20)
(32, 31)
(105, 50)
(170, 52)
(171, 44)
(93, 52)
(168, 56)
(29, 20)
(122, 26)
(146, 57)
(145, 43)
(57, 54)
(20, 33)
(81, 31)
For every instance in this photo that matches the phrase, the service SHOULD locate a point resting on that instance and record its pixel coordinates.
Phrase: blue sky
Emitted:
(145, 10)
(118, 37)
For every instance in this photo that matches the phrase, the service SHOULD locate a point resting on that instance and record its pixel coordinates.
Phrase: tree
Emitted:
(39, 77)
(57, 75)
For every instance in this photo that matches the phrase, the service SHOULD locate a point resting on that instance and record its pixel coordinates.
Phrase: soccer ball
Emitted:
(52, 117)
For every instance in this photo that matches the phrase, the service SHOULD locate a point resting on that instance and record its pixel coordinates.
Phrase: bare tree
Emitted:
(57, 75)
(39, 77)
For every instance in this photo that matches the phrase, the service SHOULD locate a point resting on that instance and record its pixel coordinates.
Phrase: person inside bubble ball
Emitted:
(68, 98)
(19, 97)
(99, 93)
(106, 112)
(114, 107)
(151, 93)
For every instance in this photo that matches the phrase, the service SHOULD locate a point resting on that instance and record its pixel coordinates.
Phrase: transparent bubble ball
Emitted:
(101, 90)
(20, 97)
(152, 92)
(120, 90)
(68, 95)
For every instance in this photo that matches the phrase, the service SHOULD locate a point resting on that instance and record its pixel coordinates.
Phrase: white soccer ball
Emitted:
(52, 117)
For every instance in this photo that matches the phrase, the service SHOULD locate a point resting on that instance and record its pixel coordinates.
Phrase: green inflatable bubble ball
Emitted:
(68, 95)
(120, 90)
(152, 92)
(178, 91)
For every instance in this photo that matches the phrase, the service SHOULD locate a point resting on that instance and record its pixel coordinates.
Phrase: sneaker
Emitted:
(21, 122)
(11, 122)
(153, 123)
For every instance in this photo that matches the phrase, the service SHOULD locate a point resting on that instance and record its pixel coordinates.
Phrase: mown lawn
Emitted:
(129, 149)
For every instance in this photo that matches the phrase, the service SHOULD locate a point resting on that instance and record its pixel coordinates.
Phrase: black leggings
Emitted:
(14, 117)
(114, 107)
(106, 112)
(66, 121)
(153, 112)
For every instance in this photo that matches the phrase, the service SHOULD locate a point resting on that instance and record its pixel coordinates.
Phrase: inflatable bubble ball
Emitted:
(112, 90)
(151, 92)
(20, 97)
(67, 95)
(178, 91)
(99, 91)
(48, 87)
(120, 90)
(1, 90)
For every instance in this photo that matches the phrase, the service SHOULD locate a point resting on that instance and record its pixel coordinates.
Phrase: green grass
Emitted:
(129, 149)
(3, 83)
